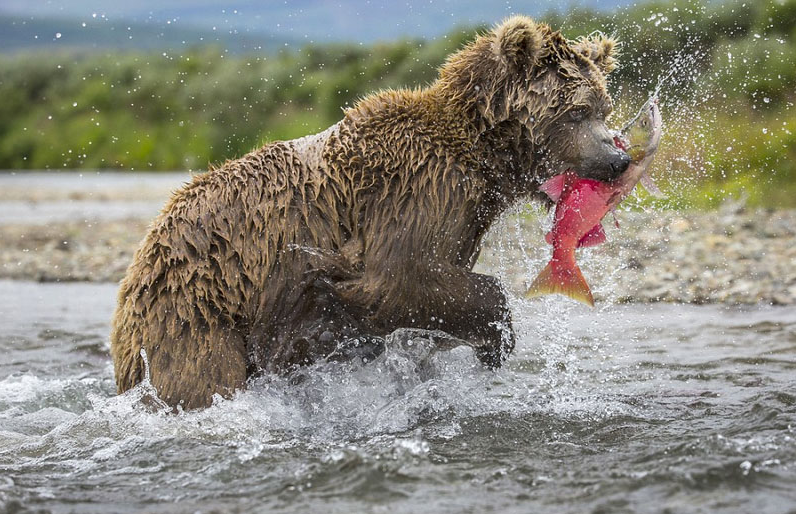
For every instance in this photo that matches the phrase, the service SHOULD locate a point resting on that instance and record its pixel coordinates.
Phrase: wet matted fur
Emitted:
(273, 259)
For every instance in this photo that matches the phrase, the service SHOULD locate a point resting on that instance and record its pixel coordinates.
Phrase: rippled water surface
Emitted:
(623, 409)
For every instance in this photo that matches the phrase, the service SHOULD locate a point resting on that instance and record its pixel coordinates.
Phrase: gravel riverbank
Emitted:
(734, 255)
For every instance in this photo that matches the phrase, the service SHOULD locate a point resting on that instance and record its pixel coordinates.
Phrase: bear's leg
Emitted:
(315, 324)
(469, 306)
(482, 314)
(197, 364)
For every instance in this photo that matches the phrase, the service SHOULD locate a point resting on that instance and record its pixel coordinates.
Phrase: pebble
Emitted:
(733, 256)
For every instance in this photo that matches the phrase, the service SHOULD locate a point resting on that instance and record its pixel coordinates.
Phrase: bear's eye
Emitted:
(578, 114)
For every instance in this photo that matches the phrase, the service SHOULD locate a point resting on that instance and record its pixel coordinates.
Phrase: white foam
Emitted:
(24, 388)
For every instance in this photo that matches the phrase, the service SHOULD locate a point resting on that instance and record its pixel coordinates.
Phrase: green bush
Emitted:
(734, 77)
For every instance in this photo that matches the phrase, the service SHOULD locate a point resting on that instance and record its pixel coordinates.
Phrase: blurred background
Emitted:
(108, 106)
(153, 86)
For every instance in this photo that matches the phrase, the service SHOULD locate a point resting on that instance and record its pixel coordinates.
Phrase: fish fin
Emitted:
(593, 237)
(650, 186)
(568, 282)
(549, 237)
(554, 187)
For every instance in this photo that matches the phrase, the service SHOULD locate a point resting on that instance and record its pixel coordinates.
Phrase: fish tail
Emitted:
(568, 281)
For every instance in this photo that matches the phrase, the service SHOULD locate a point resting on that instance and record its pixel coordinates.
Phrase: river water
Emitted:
(43, 197)
(627, 408)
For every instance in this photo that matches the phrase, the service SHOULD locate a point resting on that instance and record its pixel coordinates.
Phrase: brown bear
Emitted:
(315, 248)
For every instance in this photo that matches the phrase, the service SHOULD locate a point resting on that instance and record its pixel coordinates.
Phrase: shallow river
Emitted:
(624, 409)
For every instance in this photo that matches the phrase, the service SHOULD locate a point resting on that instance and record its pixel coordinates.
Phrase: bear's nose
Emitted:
(619, 162)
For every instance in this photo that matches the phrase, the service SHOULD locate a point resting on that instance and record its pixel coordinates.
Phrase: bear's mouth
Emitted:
(550, 166)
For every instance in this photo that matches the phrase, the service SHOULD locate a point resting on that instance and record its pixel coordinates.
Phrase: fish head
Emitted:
(641, 136)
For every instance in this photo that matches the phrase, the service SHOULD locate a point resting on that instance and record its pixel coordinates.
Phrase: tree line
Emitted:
(729, 96)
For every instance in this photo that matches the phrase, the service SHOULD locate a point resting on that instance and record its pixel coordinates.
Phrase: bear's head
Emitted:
(524, 72)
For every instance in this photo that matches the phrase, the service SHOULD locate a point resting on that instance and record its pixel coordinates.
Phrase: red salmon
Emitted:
(582, 203)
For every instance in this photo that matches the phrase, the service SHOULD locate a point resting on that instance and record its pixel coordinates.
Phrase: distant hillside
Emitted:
(249, 24)
(66, 34)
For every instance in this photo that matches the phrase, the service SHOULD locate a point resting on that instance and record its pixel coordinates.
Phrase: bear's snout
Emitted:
(619, 161)
(608, 165)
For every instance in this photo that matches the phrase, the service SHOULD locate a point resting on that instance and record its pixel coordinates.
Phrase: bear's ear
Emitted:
(518, 38)
(600, 50)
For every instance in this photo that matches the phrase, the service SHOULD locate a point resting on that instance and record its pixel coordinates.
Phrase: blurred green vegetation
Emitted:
(728, 104)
